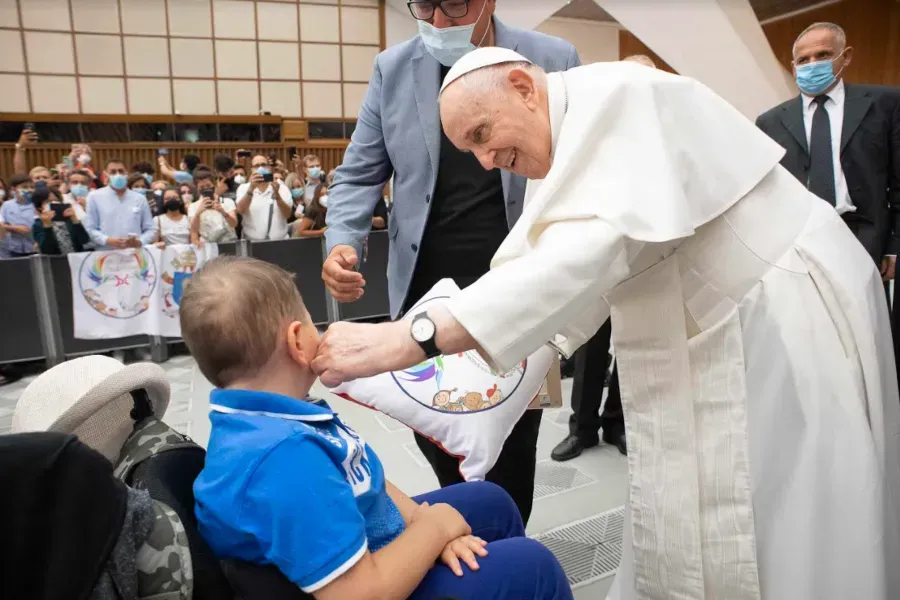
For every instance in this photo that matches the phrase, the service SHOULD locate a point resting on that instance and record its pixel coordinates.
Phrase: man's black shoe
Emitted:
(569, 448)
(615, 439)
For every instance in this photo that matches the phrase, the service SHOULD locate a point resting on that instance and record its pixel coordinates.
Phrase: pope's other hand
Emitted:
(340, 276)
(350, 351)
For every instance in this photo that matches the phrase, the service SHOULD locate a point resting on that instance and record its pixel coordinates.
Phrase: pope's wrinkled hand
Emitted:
(350, 351)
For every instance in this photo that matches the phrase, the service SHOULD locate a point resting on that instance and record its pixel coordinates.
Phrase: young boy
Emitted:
(287, 483)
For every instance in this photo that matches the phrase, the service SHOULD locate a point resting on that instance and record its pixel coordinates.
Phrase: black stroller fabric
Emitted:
(63, 511)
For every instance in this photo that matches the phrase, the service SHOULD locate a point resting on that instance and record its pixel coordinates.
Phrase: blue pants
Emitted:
(516, 568)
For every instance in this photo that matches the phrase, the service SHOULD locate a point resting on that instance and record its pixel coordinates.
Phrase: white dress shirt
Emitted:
(256, 220)
(835, 108)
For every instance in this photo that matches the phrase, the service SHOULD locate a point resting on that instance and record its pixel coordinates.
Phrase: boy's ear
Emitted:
(298, 353)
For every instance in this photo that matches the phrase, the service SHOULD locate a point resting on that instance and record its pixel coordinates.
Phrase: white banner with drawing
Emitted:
(119, 293)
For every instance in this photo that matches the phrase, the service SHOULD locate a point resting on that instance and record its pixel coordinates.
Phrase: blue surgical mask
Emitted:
(78, 190)
(26, 195)
(263, 171)
(118, 182)
(450, 44)
(183, 177)
(296, 193)
(148, 178)
(816, 77)
(315, 173)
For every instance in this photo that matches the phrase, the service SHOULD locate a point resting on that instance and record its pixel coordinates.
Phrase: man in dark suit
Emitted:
(586, 421)
(843, 141)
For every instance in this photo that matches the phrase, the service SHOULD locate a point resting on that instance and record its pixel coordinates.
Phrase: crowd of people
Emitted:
(75, 206)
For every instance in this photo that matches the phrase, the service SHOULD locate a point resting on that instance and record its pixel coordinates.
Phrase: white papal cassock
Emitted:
(751, 334)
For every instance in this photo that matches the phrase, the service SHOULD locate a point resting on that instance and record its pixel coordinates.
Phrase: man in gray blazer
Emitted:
(449, 214)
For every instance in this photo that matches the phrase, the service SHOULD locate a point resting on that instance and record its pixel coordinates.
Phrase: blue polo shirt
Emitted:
(287, 483)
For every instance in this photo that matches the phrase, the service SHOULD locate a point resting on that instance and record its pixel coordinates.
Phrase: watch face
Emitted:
(422, 330)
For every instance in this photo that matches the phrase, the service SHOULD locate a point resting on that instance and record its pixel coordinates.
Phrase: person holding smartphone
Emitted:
(213, 217)
(58, 230)
(264, 203)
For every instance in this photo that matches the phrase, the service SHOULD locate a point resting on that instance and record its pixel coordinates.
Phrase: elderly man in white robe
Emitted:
(750, 327)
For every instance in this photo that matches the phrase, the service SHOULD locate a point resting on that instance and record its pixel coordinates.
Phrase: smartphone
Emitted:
(58, 209)
(292, 152)
(70, 164)
(163, 151)
(243, 154)
(54, 172)
(28, 126)
(269, 177)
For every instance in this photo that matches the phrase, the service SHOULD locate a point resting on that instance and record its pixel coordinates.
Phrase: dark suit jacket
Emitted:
(870, 157)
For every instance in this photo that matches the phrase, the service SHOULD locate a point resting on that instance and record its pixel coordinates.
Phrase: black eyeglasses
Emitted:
(423, 10)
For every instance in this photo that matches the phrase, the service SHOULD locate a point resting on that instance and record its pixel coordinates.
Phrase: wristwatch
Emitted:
(423, 331)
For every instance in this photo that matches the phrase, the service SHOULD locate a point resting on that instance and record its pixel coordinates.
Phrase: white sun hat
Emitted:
(90, 398)
(480, 58)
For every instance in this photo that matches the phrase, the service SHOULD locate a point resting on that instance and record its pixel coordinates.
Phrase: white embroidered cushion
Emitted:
(456, 400)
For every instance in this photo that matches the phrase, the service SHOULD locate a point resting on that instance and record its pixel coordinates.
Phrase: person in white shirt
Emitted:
(173, 225)
(79, 183)
(265, 205)
(213, 217)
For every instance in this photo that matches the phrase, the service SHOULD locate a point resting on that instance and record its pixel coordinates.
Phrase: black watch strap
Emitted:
(428, 346)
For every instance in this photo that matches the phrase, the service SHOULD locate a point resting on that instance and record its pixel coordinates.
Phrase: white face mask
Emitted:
(84, 159)
(187, 198)
(2, 194)
(323, 201)
(240, 179)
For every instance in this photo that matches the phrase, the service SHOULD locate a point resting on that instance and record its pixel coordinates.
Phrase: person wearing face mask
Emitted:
(842, 141)
(172, 226)
(17, 217)
(312, 176)
(450, 215)
(55, 233)
(264, 205)
(188, 193)
(79, 182)
(117, 217)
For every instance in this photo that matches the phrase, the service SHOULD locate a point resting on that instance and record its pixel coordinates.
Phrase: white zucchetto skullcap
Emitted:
(480, 58)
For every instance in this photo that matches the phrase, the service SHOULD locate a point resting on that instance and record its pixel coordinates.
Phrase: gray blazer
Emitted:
(399, 133)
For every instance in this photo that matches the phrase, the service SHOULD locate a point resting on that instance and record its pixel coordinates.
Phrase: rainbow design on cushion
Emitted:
(433, 368)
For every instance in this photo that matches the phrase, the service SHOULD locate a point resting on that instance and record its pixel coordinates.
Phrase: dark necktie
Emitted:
(821, 168)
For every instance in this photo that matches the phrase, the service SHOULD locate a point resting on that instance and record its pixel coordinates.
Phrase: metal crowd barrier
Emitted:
(37, 319)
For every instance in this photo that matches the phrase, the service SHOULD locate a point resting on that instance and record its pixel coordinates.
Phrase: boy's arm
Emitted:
(393, 572)
(406, 505)
(309, 526)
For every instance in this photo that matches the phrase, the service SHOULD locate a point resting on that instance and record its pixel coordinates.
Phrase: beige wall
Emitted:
(200, 57)
(595, 41)
(399, 25)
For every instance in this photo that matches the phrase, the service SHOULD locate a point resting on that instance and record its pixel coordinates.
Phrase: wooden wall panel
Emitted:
(872, 27)
(330, 153)
(629, 44)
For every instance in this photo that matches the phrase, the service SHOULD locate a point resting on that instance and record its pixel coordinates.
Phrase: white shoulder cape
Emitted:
(652, 154)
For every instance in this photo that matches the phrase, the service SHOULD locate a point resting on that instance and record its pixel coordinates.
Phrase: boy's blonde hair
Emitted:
(234, 312)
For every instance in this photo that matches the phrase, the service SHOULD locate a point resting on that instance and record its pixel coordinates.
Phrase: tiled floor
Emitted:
(575, 511)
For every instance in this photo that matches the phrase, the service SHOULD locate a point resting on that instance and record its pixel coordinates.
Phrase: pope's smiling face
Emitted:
(506, 126)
